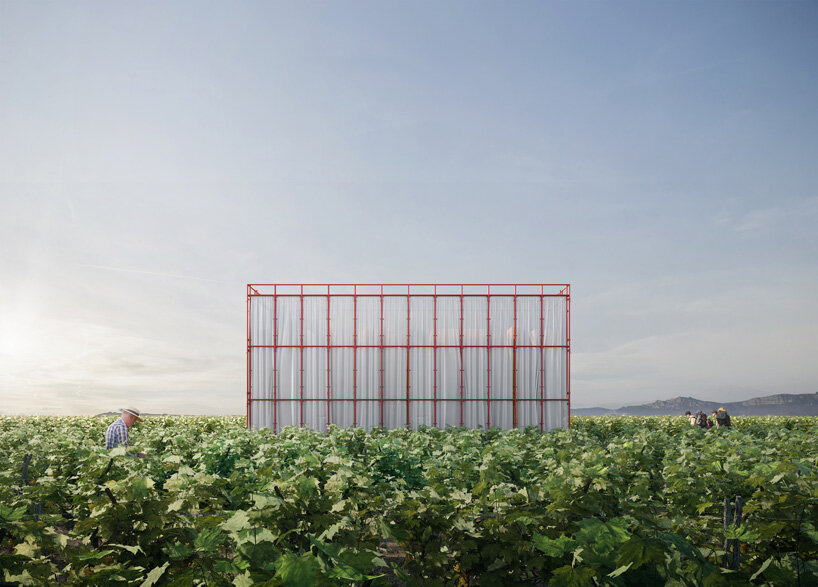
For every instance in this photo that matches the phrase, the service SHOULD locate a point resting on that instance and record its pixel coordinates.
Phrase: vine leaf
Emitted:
(154, 575)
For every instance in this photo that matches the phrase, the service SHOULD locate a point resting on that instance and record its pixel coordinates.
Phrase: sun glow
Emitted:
(17, 336)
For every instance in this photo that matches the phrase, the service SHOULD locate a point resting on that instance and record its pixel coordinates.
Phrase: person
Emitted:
(700, 420)
(722, 418)
(117, 432)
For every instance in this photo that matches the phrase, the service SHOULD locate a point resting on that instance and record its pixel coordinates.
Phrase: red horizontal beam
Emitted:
(251, 285)
(419, 399)
(411, 295)
(403, 346)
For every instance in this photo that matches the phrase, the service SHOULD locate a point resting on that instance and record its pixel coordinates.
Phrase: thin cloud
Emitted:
(155, 273)
(665, 76)
(757, 221)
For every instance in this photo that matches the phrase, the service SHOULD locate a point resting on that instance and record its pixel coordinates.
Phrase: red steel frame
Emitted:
(255, 290)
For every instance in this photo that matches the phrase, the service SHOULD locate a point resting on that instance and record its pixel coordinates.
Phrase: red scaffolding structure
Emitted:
(266, 334)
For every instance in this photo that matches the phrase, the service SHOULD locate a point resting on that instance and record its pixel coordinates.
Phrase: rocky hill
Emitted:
(783, 404)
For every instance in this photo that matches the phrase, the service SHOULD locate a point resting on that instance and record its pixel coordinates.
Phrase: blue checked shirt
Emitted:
(116, 434)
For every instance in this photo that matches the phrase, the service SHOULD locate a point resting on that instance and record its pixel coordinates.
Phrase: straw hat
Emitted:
(132, 412)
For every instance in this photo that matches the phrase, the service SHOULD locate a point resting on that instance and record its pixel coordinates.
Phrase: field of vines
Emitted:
(613, 501)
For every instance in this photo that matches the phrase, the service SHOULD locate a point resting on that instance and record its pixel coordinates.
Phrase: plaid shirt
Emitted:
(117, 433)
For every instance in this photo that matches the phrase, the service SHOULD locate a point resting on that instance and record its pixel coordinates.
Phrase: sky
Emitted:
(155, 157)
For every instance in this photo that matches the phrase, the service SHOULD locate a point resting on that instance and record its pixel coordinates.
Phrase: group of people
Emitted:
(117, 432)
(718, 419)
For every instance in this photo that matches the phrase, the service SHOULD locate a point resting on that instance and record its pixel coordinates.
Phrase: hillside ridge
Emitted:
(780, 404)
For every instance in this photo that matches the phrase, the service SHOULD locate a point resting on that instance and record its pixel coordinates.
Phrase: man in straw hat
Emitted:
(117, 432)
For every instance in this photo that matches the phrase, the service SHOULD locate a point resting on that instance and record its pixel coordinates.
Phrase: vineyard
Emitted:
(613, 501)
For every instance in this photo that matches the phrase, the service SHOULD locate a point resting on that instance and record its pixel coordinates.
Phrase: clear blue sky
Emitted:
(155, 157)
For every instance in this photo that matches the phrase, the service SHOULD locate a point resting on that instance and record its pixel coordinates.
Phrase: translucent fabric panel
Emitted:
(315, 320)
(313, 381)
(368, 320)
(315, 388)
(341, 375)
(342, 413)
(288, 370)
(527, 363)
(394, 387)
(501, 327)
(448, 361)
(261, 382)
(394, 320)
(502, 320)
(555, 412)
(287, 386)
(341, 320)
(528, 386)
(368, 387)
(421, 387)
(288, 314)
(262, 318)
(475, 315)
(528, 321)
(555, 323)
(421, 361)
(262, 360)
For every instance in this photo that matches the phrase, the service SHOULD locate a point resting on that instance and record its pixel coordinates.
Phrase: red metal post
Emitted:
(542, 363)
(329, 359)
(355, 356)
(381, 364)
(434, 372)
(301, 358)
(275, 365)
(249, 373)
(514, 365)
(461, 355)
(568, 349)
(408, 356)
(488, 356)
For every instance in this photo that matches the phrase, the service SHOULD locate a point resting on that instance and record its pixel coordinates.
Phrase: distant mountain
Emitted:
(783, 404)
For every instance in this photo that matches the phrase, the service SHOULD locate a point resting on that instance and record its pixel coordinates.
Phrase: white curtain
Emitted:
(351, 378)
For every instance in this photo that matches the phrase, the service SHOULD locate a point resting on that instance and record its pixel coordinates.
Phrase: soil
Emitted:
(392, 554)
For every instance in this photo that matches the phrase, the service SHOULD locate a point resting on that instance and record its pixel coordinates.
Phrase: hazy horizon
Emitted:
(243, 414)
(659, 157)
